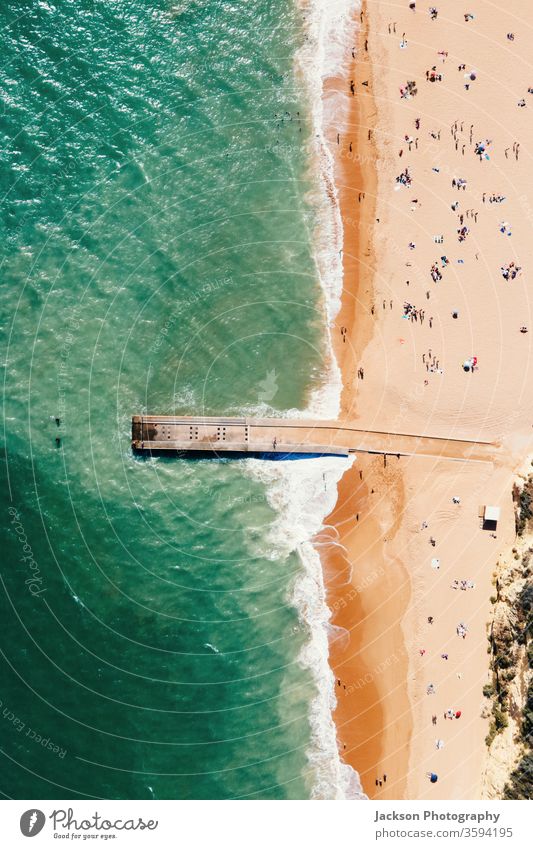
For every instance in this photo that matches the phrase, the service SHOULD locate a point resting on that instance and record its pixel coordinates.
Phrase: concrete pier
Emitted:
(221, 435)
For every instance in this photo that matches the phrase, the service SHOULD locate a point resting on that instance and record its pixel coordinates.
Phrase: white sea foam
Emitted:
(326, 53)
(304, 492)
(330, 24)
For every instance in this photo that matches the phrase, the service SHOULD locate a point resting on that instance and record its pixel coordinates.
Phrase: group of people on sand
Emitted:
(448, 714)
(412, 313)
(436, 273)
(480, 149)
(459, 183)
(462, 630)
(434, 14)
(404, 179)
(463, 584)
(433, 76)
(408, 90)
(510, 271)
(452, 714)
(431, 362)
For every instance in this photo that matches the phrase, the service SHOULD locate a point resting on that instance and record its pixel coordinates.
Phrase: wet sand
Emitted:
(363, 591)
(368, 592)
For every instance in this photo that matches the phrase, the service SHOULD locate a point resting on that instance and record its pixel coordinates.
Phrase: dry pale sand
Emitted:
(383, 588)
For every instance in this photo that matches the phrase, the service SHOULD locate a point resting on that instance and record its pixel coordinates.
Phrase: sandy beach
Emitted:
(430, 137)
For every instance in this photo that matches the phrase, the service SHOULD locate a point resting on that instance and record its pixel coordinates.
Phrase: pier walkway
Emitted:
(222, 435)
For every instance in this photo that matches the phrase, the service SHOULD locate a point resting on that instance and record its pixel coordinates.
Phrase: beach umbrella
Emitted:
(472, 76)
(457, 714)
(433, 777)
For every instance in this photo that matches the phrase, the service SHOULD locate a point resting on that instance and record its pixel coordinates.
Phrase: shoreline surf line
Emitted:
(318, 61)
(374, 593)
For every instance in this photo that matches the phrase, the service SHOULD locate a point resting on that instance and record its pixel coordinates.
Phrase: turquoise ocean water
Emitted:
(156, 255)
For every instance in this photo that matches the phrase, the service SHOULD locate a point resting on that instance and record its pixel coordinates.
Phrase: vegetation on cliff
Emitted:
(511, 688)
